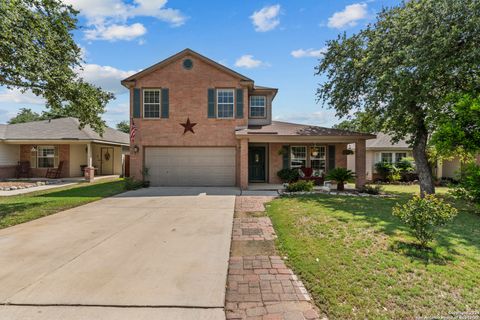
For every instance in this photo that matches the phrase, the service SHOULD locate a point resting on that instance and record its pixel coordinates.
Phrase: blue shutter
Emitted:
(239, 114)
(286, 157)
(331, 157)
(136, 103)
(211, 103)
(165, 103)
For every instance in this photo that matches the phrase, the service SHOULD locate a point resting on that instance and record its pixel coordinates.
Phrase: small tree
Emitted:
(123, 126)
(25, 115)
(341, 175)
(424, 216)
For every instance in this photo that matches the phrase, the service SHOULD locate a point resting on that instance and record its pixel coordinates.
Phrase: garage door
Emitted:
(191, 166)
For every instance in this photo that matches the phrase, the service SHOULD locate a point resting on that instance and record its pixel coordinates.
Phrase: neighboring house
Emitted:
(382, 149)
(46, 143)
(199, 123)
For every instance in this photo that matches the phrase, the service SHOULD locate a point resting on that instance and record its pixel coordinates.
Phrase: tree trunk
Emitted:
(340, 186)
(424, 170)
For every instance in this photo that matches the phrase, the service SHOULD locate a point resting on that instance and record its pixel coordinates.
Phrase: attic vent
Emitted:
(188, 64)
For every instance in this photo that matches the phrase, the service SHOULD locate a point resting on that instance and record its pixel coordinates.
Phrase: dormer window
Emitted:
(225, 102)
(257, 106)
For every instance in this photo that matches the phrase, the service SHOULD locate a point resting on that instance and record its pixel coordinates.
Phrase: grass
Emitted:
(359, 262)
(23, 208)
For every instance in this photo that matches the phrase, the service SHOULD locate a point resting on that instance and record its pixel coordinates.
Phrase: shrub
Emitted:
(299, 186)
(341, 175)
(406, 165)
(388, 171)
(371, 189)
(424, 216)
(131, 184)
(288, 175)
(468, 187)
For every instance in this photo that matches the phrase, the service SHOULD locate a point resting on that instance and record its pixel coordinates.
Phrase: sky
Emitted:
(277, 44)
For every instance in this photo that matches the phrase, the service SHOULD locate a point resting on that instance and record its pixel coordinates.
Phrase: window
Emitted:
(387, 157)
(399, 156)
(47, 157)
(151, 103)
(318, 160)
(225, 103)
(257, 106)
(298, 157)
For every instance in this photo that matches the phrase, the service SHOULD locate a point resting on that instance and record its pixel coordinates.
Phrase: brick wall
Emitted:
(63, 155)
(188, 98)
(7, 172)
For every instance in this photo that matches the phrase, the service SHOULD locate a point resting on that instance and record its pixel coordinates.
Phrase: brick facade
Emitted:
(63, 155)
(7, 172)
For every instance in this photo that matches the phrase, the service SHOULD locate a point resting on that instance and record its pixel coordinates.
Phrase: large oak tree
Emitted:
(38, 53)
(401, 68)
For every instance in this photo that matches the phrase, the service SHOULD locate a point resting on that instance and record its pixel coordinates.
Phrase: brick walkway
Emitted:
(262, 287)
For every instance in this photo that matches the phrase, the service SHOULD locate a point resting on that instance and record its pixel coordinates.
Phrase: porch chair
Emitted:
(307, 175)
(54, 173)
(23, 170)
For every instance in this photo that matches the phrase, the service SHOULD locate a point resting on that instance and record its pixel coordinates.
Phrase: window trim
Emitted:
(291, 152)
(324, 158)
(391, 157)
(159, 90)
(217, 90)
(264, 107)
(54, 157)
(403, 153)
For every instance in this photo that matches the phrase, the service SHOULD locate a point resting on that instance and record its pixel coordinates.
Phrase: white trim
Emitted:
(159, 90)
(54, 156)
(216, 102)
(264, 107)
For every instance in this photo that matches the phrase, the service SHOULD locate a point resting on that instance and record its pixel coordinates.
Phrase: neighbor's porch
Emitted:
(260, 161)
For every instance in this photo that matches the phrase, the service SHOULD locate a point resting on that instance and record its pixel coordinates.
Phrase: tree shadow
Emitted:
(415, 251)
(7, 209)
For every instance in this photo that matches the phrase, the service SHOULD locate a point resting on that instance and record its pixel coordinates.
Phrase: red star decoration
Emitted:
(188, 126)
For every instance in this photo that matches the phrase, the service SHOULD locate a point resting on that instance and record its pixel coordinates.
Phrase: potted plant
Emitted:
(341, 175)
(145, 174)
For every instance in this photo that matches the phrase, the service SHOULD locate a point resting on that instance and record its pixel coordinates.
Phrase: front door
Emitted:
(107, 161)
(256, 164)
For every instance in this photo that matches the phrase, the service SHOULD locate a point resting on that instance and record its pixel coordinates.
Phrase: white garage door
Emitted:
(191, 166)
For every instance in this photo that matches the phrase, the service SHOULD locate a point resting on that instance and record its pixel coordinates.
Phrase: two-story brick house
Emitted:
(199, 123)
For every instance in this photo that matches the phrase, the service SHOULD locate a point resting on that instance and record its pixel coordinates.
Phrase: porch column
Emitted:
(89, 170)
(360, 163)
(244, 164)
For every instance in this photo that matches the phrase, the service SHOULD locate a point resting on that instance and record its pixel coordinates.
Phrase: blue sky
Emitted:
(276, 44)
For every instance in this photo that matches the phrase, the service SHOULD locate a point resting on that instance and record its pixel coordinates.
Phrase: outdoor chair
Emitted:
(307, 175)
(54, 173)
(23, 170)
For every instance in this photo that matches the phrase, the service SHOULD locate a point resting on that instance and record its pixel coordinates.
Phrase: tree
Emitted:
(400, 69)
(361, 122)
(25, 115)
(458, 130)
(38, 53)
(123, 126)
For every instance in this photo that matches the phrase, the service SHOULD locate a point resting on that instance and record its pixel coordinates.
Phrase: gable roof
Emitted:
(60, 129)
(383, 141)
(281, 128)
(179, 55)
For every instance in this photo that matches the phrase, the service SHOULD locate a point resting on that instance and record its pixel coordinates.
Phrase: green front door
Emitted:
(256, 164)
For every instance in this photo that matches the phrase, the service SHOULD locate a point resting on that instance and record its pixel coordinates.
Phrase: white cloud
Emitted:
(116, 32)
(309, 53)
(106, 77)
(17, 96)
(247, 61)
(266, 19)
(112, 15)
(349, 16)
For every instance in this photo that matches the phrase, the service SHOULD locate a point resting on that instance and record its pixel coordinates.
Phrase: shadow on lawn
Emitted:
(7, 209)
(377, 212)
(86, 190)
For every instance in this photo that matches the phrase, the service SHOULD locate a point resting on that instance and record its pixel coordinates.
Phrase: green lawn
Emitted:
(359, 262)
(23, 208)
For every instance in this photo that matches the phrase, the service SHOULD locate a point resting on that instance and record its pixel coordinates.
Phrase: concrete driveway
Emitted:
(152, 253)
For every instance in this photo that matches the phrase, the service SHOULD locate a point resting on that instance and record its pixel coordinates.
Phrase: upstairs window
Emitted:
(225, 101)
(151, 103)
(257, 106)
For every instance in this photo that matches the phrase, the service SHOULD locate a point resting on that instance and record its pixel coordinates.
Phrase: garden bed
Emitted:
(16, 185)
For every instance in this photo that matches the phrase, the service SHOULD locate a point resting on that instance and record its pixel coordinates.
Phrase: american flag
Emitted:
(133, 131)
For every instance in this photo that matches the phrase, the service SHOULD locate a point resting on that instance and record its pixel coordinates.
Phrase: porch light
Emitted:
(34, 149)
(136, 149)
(314, 152)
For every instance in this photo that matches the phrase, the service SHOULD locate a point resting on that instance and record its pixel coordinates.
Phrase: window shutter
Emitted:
(239, 114)
(331, 157)
(286, 157)
(136, 103)
(211, 103)
(165, 103)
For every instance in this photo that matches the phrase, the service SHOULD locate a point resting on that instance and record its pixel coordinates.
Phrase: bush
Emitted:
(470, 181)
(341, 175)
(288, 175)
(424, 216)
(388, 171)
(299, 186)
(131, 184)
(406, 165)
(371, 189)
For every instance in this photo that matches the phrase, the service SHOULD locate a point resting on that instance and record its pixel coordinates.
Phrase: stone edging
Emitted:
(27, 186)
